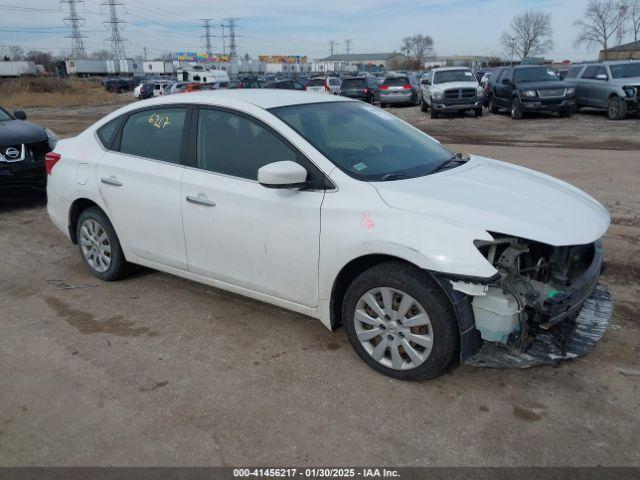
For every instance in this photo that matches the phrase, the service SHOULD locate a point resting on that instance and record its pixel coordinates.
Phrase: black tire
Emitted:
(434, 114)
(423, 105)
(617, 109)
(419, 285)
(118, 266)
(565, 113)
(492, 105)
(478, 112)
(516, 109)
(383, 105)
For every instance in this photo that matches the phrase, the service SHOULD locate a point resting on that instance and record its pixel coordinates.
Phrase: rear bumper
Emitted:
(397, 97)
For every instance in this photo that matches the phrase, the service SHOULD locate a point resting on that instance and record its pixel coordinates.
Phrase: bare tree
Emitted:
(603, 23)
(530, 34)
(417, 48)
(101, 55)
(16, 52)
(633, 7)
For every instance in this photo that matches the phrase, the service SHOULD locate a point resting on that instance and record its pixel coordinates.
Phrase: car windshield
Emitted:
(453, 76)
(4, 116)
(536, 74)
(364, 141)
(625, 70)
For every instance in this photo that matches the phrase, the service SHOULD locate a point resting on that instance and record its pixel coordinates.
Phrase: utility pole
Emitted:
(145, 53)
(206, 24)
(74, 21)
(233, 47)
(332, 44)
(114, 23)
(347, 45)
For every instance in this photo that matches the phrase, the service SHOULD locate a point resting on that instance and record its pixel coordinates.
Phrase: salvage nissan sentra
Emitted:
(341, 211)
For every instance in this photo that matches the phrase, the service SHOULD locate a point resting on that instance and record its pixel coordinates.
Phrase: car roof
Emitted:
(263, 98)
(444, 69)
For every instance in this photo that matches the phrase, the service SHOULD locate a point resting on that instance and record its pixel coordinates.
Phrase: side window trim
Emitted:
(300, 156)
(116, 144)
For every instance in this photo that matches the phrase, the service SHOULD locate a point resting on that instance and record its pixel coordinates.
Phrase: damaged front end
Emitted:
(544, 304)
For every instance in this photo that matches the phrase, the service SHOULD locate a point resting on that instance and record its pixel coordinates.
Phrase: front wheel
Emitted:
(493, 108)
(478, 112)
(400, 322)
(423, 105)
(516, 109)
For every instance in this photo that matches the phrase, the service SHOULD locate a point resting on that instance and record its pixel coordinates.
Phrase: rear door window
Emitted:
(107, 133)
(155, 134)
(593, 71)
(573, 72)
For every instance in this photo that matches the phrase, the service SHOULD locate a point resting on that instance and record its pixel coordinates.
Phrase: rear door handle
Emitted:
(200, 200)
(111, 181)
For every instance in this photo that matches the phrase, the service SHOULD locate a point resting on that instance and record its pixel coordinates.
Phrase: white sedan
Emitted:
(335, 209)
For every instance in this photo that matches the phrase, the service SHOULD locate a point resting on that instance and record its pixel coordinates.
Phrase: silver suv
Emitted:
(614, 86)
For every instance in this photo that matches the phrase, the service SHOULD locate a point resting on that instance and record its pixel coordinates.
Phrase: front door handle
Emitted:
(200, 200)
(111, 181)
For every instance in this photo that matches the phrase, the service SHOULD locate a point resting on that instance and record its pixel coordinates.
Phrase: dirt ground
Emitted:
(156, 370)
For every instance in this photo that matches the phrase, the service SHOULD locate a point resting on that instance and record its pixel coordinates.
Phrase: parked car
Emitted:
(120, 85)
(401, 89)
(324, 85)
(363, 88)
(531, 88)
(160, 88)
(451, 89)
(377, 227)
(283, 85)
(146, 91)
(23, 146)
(614, 86)
(177, 87)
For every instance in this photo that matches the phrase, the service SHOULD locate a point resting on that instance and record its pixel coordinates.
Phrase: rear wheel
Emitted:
(565, 113)
(516, 109)
(383, 105)
(478, 112)
(400, 322)
(100, 246)
(617, 108)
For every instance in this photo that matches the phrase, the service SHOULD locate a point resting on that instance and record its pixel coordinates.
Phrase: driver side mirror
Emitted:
(425, 81)
(19, 114)
(602, 76)
(286, 174)
(506, 81)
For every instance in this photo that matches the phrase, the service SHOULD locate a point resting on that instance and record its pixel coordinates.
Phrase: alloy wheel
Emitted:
(95, 245)
(393, 328)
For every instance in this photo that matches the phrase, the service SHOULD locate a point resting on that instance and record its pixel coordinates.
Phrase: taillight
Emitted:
(366, 91)
(407, 87)
(305, 88)
(50, 160)
(384, 87)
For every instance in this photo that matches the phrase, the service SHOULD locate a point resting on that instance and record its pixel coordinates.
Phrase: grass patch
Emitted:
(54, 92)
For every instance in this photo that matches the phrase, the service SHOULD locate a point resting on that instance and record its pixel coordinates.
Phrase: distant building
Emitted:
(628, 51)
(360, 62)
(471, 61)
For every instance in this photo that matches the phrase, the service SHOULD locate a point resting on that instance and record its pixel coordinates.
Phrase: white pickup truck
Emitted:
(451, 89)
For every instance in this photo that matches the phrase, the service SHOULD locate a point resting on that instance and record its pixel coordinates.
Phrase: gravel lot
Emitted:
(157, 370)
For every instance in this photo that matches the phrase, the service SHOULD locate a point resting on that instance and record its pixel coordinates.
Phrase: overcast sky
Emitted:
(465, 27)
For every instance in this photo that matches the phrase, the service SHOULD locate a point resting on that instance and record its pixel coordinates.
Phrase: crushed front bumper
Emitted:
(569, 339)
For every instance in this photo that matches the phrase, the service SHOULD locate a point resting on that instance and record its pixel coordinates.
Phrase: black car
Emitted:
(363, 88)
(531, 88)
(146, 91)
(23, 146)
(284, 85)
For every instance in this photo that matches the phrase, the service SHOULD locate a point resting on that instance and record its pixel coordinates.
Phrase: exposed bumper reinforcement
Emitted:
(565, 341)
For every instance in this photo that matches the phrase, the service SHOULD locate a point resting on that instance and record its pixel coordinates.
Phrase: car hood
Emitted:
(544, 85)
(454, 85)
(14, 132)
(502, 198)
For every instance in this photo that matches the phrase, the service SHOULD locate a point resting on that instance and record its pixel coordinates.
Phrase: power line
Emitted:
(347, 45)
(233, 47)
(74, 21)
(207, 35)
(114, 22)
(332, 44)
